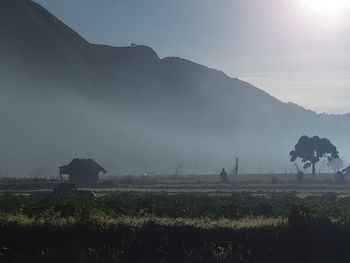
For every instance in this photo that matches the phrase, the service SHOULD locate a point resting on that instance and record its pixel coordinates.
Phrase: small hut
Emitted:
(82, 171)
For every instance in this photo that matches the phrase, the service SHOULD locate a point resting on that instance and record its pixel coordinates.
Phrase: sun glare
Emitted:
(329, 8)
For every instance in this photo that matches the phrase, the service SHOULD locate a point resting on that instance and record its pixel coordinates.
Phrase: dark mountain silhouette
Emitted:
(63, 97)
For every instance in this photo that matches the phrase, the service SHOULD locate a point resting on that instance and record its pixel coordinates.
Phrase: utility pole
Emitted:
(236, 167)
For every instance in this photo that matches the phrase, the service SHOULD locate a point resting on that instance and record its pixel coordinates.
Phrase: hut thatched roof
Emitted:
(81, 164)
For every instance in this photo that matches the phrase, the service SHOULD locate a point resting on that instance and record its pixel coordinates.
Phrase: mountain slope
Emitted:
(63, 97)
(40, 47)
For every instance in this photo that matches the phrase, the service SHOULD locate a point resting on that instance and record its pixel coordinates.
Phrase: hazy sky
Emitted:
(297, 50)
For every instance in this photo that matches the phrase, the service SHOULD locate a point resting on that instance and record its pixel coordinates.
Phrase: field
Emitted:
(189, 183)
(183, 220)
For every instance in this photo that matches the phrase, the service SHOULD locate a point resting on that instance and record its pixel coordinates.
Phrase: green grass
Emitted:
(162, 227)
(231, 210)
(139, 222)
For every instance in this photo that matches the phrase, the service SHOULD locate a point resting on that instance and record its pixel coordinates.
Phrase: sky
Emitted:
(296, 50)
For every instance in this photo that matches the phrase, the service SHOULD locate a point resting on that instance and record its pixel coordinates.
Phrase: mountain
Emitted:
(63, 97)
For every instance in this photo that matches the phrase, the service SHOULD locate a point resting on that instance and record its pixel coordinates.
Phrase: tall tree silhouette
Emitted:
(311, 150)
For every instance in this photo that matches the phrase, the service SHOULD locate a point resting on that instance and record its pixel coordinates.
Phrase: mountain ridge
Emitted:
(132, 109)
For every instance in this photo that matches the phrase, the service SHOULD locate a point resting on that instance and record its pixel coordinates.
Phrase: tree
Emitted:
(311, 150)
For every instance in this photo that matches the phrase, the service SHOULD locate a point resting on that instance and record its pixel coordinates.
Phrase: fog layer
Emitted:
(63, 98)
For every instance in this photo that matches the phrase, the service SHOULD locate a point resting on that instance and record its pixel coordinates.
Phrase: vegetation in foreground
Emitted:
(234, 206)
(131, 227)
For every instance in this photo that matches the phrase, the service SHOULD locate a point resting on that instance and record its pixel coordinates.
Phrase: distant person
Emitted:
(300, 175)
(339, 178)
(223, 176)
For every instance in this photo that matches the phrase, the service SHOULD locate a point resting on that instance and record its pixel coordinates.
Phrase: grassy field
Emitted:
(184, 227)
(234, 206)
(191, 183)
(162, 219)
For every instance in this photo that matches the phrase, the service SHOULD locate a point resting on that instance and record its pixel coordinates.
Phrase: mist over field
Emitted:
(204, 144)
(64, 98)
